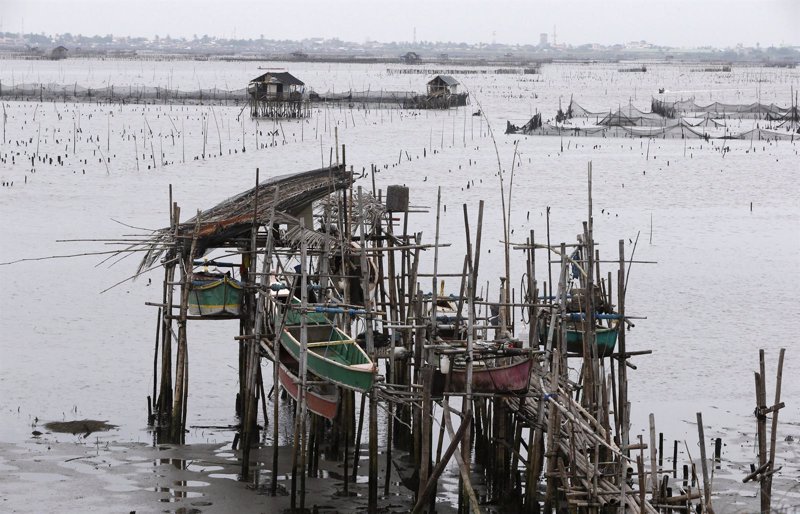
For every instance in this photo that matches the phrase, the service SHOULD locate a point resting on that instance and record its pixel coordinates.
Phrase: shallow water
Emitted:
(723, 287)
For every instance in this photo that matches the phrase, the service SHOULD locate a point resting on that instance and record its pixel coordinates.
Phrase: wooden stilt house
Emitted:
(277, 95)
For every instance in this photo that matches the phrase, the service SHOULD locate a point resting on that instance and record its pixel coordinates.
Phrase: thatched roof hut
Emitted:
(442, 84)
(232, 220)
(58, 53)
(276, 84)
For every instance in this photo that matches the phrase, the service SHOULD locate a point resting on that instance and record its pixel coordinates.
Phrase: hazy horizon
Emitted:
(676, 23)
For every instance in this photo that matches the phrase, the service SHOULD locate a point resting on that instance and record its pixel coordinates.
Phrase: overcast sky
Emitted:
(718, 23)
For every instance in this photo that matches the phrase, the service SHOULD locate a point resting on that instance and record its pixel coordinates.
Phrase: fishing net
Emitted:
(681, 119)
(129, 93)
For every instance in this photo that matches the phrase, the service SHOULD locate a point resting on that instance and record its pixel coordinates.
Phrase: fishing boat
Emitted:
(332, 355)
(213, 294)
(605, 337)
(495, 375)
(322, 398)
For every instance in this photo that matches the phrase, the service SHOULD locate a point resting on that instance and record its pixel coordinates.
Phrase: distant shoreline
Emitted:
(477, 60)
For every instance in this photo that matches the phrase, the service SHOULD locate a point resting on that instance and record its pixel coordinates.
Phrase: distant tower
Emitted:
(555, 41)
(415, 35)
(543, 39)
(494, 34)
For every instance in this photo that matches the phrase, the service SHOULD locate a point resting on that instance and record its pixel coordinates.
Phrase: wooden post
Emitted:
(472, 270)
(249, 355)
(393, 317)
(357, 447)
(761, 423)
(774, 428)
(553, 417)
(373, 401)
(151, 417)
(622, 379)
(653, 463)
(165, 393)
(704, 463)
(345, 407)
(642, 482)
(435, 278)
(177, 424)
(425, 452)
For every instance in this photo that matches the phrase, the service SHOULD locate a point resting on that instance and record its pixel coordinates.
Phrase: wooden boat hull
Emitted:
(605, 338)
(321, 400)
(215, 297)
(332, 356)
(513, 377)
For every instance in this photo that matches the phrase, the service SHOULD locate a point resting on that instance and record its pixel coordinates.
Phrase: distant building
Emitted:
(442, 85)
(58, 53)
(411, 58)
(543, 39)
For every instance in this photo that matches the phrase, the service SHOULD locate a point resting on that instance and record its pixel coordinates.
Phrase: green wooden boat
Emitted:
(605, 339)
(332, 355)
(213, 294)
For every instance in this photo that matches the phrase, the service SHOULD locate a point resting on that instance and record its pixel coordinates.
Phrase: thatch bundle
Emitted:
(234, 217)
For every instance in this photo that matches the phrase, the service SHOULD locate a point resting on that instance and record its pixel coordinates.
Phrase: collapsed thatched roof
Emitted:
(234, 217)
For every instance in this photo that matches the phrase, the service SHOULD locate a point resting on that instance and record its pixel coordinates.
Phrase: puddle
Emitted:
(180, 495)
(189, 483)
(229, 476)
(197, 468)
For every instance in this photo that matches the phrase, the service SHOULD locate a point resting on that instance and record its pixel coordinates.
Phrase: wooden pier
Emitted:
(330, 272)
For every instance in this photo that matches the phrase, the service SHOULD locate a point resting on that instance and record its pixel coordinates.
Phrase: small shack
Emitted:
(276, 85)
(442, 85)
(442, 93)
(277, 95)
(58, 53)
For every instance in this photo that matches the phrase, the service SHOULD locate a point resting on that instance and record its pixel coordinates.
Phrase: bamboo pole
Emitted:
(251, 322)
(393, 317)
(774, 428)
(425, 450)
(357, 447)
(761, 424)
(151, 416)
(704, 464)
(178, 422)
(303, 363)
(435, 278)
(429, 487)
(555, 377)
(165, 393)
(653, 465)
(373, 402)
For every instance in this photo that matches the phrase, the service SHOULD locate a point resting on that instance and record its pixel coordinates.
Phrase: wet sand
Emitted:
(42, 475)
(45, 475)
